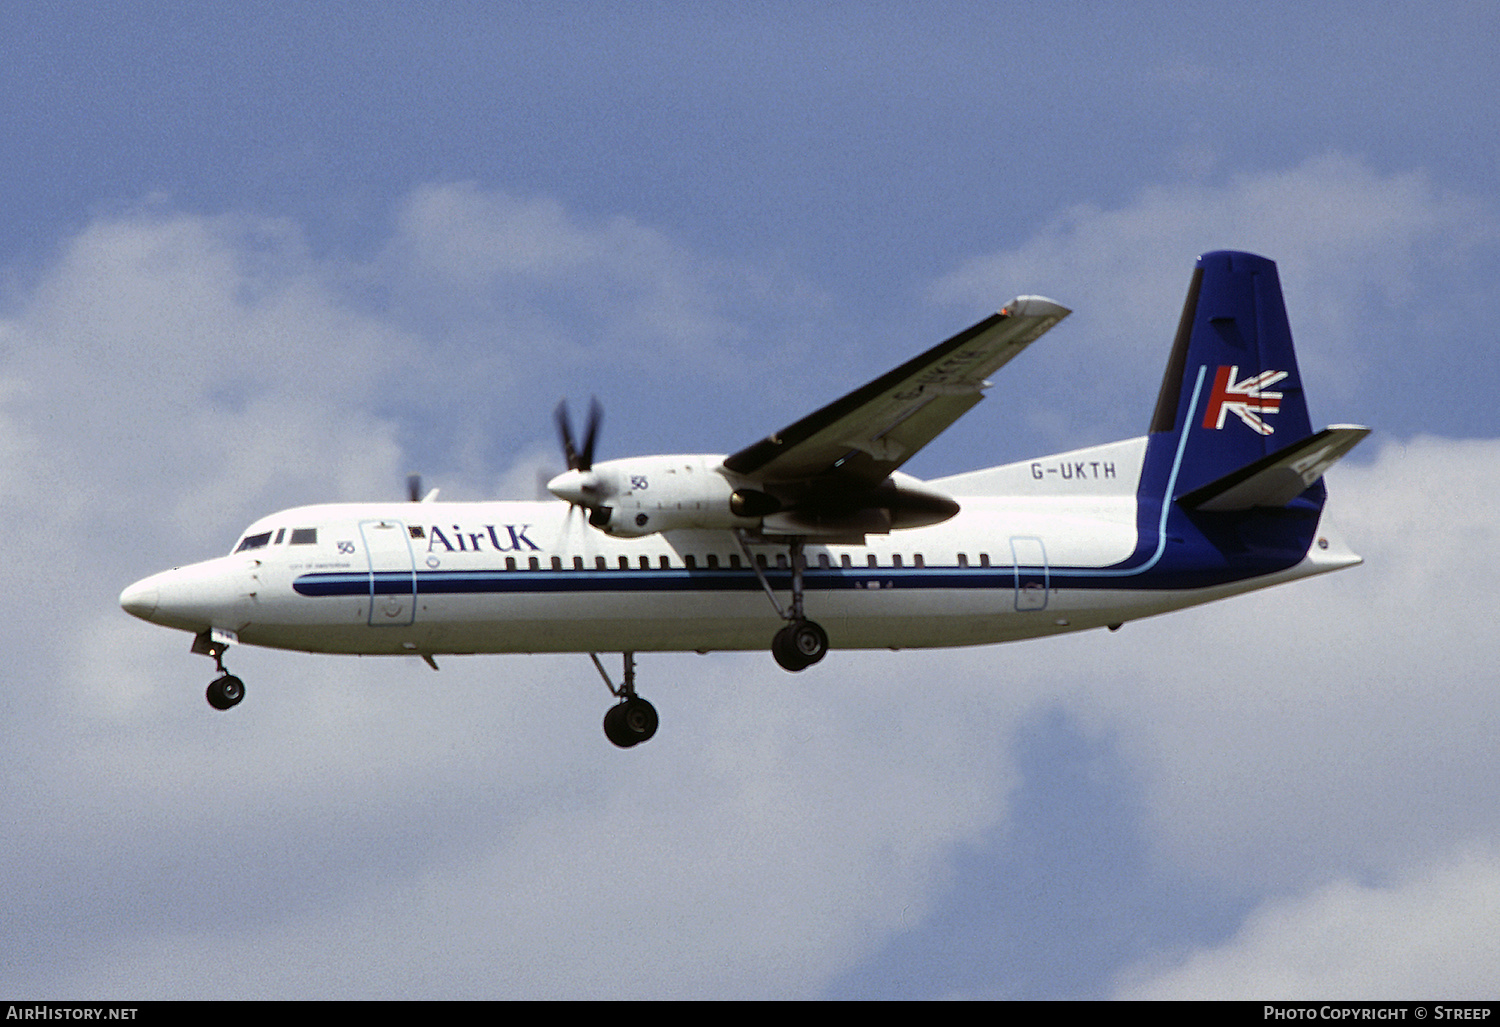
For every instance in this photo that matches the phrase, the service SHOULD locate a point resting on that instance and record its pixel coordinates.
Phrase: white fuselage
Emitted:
(1030, 553)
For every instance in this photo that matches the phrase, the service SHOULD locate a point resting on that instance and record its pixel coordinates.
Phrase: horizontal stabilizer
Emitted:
(1278, 478)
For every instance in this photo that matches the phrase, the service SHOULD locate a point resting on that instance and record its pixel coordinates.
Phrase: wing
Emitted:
(859, 440)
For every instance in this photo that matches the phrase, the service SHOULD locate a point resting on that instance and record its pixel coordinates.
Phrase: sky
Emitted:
(255, 256)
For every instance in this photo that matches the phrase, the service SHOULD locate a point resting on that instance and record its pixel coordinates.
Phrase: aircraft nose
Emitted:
(215, 593)
(140, 599)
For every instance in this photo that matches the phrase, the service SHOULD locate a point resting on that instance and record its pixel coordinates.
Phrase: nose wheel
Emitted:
(226, 690)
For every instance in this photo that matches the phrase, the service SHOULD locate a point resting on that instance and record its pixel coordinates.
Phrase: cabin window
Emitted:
(963, 559)
(896, 560)
(984, 559)
(846, 561)
(734, 561)
(557, 563)
(713, 561)
(823, 560)
(534, 564)
(871, 560)
(578, 563)
(917, 561)
(664, 563)
(254, 542)
(645, 563)
(510, 563)
(690, 562)
(304, 536)
(600, 564)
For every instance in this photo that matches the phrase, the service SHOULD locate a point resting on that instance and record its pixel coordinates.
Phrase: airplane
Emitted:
(1222, 496)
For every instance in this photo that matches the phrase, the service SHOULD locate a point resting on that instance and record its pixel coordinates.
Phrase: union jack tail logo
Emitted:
(1248, 399)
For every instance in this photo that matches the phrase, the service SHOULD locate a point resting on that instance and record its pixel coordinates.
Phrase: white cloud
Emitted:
(406, 833)
(1429, 935)
(544, 282)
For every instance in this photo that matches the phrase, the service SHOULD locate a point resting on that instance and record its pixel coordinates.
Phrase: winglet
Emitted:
(1035, 306)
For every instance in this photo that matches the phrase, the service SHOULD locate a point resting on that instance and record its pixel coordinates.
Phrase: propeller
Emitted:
(579, 485)
(414, 490)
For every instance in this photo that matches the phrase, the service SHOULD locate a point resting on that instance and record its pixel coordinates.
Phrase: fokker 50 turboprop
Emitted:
(812, 537)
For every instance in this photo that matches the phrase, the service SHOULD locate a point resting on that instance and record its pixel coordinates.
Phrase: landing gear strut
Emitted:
(632, 720)
(801, 642)
(226, 690)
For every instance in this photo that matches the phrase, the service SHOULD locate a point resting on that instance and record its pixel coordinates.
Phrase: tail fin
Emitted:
(1231, 406)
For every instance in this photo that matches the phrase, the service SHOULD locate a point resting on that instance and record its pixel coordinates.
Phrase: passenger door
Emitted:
(393, 573)
(1029, 557)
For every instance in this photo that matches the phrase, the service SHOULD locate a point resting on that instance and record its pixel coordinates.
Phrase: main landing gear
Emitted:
(226, 690)
(801, 643)
(632, 720)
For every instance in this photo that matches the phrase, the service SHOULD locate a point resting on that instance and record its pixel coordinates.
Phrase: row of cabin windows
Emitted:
(309, 537)
(300, 537)
(712, 562)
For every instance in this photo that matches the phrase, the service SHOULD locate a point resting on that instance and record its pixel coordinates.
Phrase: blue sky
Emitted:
(257, 256)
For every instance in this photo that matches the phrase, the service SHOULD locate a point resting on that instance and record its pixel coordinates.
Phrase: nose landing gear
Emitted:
(226, 690)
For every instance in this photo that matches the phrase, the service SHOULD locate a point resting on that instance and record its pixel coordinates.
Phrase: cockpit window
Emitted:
(304, 536)
(254, 542)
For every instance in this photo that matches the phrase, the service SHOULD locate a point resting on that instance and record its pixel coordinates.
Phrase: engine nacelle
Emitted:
(643, 495)
(900, 501)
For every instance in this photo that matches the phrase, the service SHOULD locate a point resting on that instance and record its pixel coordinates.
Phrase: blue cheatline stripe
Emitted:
(1166, 501)
(666, 580)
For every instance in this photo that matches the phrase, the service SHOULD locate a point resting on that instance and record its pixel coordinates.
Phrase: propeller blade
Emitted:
(591, 433)
(565, 430)
(579, 459)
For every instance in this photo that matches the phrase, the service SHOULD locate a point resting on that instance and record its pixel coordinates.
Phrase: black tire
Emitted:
(612, 728)
(799, 645)
(225, 692)
(630, 722)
